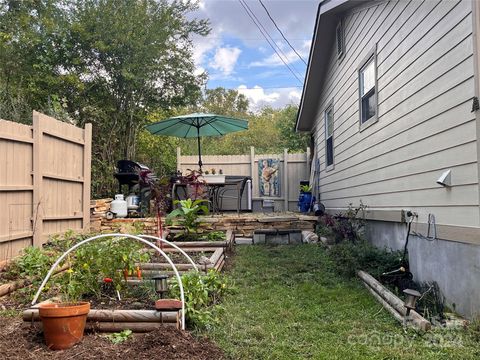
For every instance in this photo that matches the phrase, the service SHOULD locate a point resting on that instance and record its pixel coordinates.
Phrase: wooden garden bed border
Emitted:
(392, 303)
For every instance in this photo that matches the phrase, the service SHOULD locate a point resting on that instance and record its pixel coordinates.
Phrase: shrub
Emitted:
(348, 225)
(350, 257)
(202, 293)
(33, 263)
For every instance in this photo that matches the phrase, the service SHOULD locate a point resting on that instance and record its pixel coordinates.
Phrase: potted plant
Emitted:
(64, 322)
(305, 198)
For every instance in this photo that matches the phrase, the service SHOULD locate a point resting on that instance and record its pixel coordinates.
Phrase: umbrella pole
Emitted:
(199, 150)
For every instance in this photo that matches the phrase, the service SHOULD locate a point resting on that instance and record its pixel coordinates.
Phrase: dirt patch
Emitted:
(20, 340)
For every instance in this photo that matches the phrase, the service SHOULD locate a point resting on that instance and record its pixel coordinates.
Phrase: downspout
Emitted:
(476, 71)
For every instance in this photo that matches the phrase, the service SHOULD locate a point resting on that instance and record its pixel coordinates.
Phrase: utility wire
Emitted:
(265, 32)
(266, 36)
(263, 87)
(281, 33)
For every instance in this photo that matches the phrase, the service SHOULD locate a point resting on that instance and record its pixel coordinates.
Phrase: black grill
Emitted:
(128, 173)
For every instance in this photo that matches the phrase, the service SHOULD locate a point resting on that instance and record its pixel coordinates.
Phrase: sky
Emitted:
(237, 56)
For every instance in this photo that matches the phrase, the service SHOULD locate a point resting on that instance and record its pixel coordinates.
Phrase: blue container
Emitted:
(304, 201)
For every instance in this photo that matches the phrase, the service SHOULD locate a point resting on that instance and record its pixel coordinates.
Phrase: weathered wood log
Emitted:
(148, 274)
(394, 301)
(136, 281)
(385, 304)
(8, 288)
(146, 267)
(120, 326)
(216, 256)
(125, 316)
(111, 327)
(5, 263)
(197, 244)
(190, 249)
(219, 267)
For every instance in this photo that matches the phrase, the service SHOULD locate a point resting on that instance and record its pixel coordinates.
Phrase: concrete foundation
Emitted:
(454, 266)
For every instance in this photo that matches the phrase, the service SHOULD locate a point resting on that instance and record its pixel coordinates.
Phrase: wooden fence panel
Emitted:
(44, 181)
(297, 169)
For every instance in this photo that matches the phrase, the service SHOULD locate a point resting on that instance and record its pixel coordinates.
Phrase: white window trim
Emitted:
(327, 108)
(371, 54)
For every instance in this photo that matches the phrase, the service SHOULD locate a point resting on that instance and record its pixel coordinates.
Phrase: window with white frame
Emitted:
(329, 136)
(367, 75)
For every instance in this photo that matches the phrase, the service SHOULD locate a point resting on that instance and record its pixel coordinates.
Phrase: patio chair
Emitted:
(233, 189)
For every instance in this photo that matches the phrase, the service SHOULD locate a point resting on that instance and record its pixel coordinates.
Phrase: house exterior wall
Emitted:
(425, 72)
(426, 82)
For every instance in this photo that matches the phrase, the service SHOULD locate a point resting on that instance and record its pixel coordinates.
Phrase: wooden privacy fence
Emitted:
(293, 169)
(44, 181)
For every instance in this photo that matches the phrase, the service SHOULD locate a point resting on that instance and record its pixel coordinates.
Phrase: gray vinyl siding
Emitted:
(425, 72)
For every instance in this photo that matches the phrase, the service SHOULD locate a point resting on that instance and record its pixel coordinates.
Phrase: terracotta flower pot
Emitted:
(63, 324)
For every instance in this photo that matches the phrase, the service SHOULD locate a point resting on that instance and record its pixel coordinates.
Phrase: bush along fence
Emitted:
(44, 181)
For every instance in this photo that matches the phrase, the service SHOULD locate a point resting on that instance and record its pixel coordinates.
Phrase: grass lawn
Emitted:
(289, 305)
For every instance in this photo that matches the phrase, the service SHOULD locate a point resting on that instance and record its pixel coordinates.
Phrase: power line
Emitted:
(264, 87)
(281, 33)
(265, 32)
(266, 36)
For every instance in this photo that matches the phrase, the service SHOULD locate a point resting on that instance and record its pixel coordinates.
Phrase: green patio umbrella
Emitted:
(197, 125)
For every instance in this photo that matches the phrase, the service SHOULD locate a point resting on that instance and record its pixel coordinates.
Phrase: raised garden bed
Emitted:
(110, 314)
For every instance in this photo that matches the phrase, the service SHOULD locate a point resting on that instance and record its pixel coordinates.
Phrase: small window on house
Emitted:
(340, 39)
(329, 136)
(368, 90)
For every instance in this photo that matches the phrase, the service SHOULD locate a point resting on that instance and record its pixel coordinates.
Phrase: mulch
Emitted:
(19, 340)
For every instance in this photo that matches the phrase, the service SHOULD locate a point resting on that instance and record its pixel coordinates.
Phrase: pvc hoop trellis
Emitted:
(59, 260)
(172, 245)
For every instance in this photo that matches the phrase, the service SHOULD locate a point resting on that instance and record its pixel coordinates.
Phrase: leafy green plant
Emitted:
(119, 337)
(305, 188)
(33, 263)
(202, 292)
(187, 214)
(350, 257)
(110, 258)
(214, 236)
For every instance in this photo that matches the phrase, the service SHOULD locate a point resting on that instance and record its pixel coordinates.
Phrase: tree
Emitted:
(132, 57)
(289, 138)
(31, 33)
(109, 62)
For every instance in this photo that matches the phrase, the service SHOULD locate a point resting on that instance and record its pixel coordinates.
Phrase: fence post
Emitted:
(87, 174)
(37, 180)
(285, 179)
(252, 168)
(179, 161)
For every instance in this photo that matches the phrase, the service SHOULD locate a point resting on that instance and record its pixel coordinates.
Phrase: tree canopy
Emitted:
(121, 64)
(109, 62)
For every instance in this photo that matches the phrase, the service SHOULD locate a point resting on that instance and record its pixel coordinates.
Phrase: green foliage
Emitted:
(108, 62)
(348, 225)
(289, 138)
(101, 259)
(350, 257)
(187, 214)
(203, 293)
(33, 263)
(119, 337)
(214, 236)
(305, 188)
